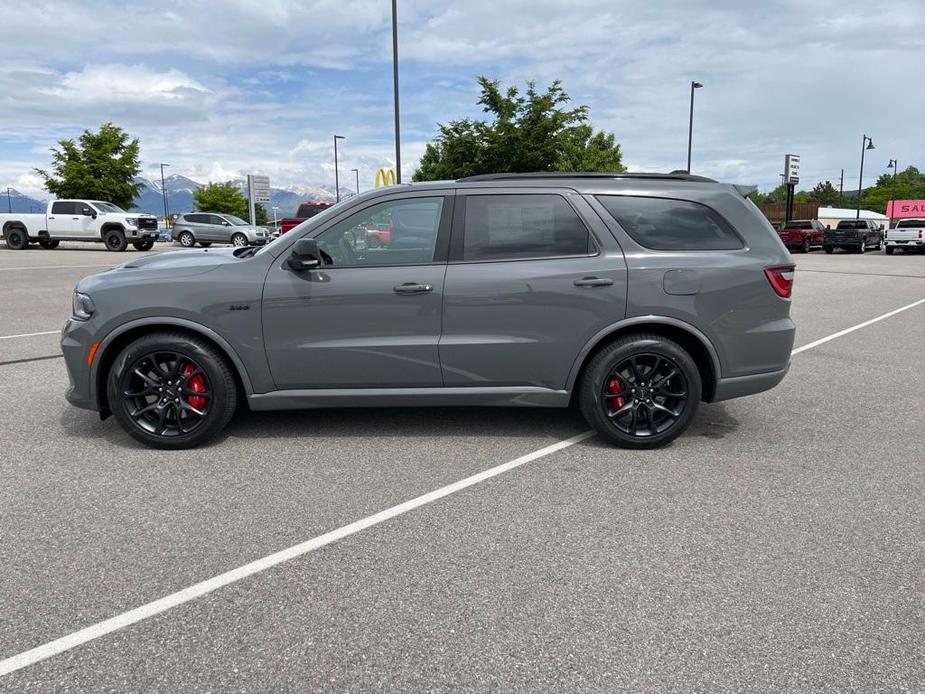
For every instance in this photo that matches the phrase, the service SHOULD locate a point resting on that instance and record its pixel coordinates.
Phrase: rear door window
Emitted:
(664, 224)
(59, 207)
(511, 227)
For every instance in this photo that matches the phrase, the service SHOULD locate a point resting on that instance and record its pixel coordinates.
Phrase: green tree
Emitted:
(908, 185)
(824, 193)
(221, 197)
(529, 132)
(98, 166)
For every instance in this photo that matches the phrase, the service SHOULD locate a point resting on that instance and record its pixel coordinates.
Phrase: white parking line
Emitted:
(840, 333)
(46, 332)
(210, 585)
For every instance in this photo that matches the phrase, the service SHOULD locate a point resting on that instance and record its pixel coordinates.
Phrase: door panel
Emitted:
(350, 328)
(523, 322)
(63, 221)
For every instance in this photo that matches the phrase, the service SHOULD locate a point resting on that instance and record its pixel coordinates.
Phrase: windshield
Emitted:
(911, 224)
(799, 225)
(106, 207)
(857, 224)
(317, 219)
(236, 221)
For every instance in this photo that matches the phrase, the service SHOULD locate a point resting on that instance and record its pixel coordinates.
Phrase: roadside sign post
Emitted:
(258, 192)
(791, 178)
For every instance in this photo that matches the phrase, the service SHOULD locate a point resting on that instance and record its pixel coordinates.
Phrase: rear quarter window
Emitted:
(664, 224)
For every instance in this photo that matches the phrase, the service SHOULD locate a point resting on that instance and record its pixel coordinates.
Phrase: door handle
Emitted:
(593, 282)
(413, 288)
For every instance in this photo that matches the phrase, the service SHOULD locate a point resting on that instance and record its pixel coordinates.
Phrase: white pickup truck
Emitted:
(80, 220)
(908, 234)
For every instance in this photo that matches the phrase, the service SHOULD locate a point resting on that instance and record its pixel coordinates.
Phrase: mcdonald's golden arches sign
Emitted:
(384, 177)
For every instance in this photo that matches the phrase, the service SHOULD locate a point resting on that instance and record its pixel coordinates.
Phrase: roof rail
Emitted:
(673, 176)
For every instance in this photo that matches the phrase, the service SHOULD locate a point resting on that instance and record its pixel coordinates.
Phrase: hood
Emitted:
(163, 266)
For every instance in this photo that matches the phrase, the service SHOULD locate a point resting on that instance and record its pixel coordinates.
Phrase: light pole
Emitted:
(336, 175)
(357, 172)
(164, 193)
(690, 127)
(9, 200)
(395, 90)
(866, 143)
(895, 166)
(275, 210)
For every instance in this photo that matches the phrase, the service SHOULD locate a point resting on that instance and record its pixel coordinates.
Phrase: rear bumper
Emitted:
(906, 243)
(740, 386)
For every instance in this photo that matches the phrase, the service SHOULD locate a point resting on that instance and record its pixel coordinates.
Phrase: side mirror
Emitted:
(226, 224)
(87, 212)
(305, 255)
(881, 227)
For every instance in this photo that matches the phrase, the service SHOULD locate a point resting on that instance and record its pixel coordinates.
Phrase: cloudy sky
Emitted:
(222, 89)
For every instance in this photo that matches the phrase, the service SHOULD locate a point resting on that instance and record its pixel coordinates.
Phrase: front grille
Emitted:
(147, 223)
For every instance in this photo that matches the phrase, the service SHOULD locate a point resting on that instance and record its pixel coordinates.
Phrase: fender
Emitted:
(641, 320)
(180, 323)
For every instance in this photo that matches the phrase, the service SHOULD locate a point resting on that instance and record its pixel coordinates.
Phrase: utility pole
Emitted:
(164, 194)
(9, 200)
(841, 189)
(336, 175)
(395, 90)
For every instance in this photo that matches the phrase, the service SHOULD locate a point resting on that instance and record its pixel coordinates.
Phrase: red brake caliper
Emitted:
(614, 387)
(197, 384)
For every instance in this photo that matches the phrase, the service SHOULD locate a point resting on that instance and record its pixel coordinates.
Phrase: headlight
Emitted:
(82, 307)
(131, 221)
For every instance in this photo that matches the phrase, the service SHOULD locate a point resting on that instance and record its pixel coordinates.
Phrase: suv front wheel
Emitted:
(171, 390)
(640, 391)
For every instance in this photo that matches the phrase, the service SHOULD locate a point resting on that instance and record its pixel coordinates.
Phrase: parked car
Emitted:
(907, 235)
(636, 296)
(856, 235)
(206, 228)
(802, 234)
(80, 220)
(306, 210)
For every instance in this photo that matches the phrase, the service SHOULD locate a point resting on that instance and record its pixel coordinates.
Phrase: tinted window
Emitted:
(64, 208)
(799, 225)
(856, 224)
(522, 226)
(216, 220)
(410, 239)
(910, 224)
(197, 218)
(671, 225)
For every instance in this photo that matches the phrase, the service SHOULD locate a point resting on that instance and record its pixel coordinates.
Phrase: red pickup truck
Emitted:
(802, 234)
(306, 210)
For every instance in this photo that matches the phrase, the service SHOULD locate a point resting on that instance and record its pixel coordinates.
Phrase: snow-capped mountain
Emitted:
(180, 195)
(11, 200)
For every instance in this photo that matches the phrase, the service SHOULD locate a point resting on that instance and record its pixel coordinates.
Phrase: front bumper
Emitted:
(76, 339)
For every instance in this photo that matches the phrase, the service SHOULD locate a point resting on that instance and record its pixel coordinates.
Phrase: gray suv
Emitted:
(632, 296)
(206, 228)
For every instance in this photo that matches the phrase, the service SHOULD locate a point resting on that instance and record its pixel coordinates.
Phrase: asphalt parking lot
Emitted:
(778, 545)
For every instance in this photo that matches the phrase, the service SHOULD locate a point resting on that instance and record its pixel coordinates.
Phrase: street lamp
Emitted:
(395, 90)
(336, 175)
(357, 172)
(866, 143)
(164, 193)
(690, 127)
(895, 166)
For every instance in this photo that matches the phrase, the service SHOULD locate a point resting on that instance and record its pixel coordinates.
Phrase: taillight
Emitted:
(781, 279)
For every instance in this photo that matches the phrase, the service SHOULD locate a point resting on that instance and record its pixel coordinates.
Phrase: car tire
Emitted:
(239, 240)
(890, 249)
(115, 241)
(145, 245)
(807, 245)
(205, 244)
(186, 239)
(862, 247)
(218, 397)
(16, 239)
(49, 244)
(828, 249)
(610, 371)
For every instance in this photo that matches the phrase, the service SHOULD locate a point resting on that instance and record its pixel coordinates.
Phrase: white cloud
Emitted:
(126, 84)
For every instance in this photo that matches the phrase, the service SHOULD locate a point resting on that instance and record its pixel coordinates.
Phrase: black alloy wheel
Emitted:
(172, 390)
(640, 391)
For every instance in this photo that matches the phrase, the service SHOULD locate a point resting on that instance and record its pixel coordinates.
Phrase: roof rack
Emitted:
(673, 176)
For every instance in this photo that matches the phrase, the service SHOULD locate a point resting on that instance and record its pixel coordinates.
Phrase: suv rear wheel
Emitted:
(640, 391)
(171, 390)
